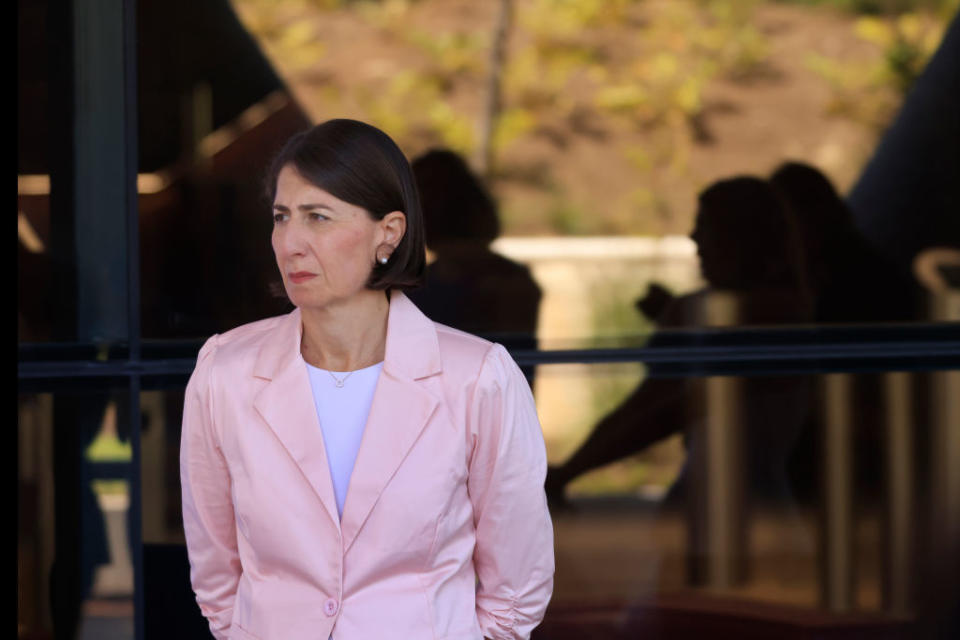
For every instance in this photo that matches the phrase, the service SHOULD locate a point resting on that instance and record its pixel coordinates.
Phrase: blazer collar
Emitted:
(411, 351)
(286, 404)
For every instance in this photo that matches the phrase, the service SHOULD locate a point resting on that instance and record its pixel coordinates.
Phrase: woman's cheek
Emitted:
(351, 251)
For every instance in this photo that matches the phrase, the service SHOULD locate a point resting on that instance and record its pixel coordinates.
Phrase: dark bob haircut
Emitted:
(360, 164)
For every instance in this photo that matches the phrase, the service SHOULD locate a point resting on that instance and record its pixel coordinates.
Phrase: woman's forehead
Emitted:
(290, 180)
(295, 190)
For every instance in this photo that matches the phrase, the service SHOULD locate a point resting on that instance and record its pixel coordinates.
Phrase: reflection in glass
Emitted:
(754, 276)
(833, 538)
(210, 119)
(76, 576)
(468, 286)
(170, 608)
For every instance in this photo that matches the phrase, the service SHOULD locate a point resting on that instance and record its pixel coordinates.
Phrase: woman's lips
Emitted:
(301, 276)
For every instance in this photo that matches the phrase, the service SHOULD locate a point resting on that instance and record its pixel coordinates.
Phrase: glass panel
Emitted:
(160, 466)
(700, 505)
(71, 212)
(687, 505)
(170, 607)
(75, 567)
(587, 177)
(34, 318)
(210, 118)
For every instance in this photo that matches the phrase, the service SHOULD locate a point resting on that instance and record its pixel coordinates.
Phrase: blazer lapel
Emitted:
(401, 408)
(286, 404)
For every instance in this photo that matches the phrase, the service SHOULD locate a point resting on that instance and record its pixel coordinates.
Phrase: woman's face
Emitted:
(718, 255)
(325, 247)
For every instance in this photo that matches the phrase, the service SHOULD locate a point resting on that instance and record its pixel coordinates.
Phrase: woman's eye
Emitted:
(318, 216)
(279, 217)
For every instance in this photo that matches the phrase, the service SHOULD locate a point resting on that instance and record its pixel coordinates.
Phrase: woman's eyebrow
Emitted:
(303, 207)
(307, 207)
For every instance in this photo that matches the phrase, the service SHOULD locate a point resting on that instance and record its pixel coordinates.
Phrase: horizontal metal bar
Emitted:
(869, 336)
(800, 358)
(33, 370)
(739, 351)
(708, 354)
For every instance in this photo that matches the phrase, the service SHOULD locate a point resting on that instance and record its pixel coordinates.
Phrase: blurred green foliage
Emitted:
(870, 90)
(565, 218)
(514, 123)
(566, 66)
(450, 56)
(286, 37)
(412, 106)
(577, 70)
(614, 314)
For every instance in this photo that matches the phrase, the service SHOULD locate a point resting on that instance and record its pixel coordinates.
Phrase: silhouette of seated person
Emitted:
(746, 248)
(850, 280)
(468, 286)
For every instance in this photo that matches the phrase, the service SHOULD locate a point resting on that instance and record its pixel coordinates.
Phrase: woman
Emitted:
(353, 469)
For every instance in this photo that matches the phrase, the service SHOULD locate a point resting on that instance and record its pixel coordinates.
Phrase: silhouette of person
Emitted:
(850, 280)
(747, 249)
(468, 286)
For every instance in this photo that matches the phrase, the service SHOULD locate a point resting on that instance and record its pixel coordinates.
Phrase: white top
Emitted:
(342, 412)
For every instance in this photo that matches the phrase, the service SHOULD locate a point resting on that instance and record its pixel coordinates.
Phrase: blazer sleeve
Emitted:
(513, 556)
(208, 515)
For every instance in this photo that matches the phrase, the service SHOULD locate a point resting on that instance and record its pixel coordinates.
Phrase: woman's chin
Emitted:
(306, 300)
(320, 301)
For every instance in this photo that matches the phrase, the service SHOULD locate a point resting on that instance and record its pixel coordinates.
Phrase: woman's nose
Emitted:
(293, 238)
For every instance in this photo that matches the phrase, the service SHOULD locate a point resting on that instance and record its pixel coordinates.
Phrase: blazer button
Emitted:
(330, 607)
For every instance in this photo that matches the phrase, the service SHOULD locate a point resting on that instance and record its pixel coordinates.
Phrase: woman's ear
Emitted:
(393, 225)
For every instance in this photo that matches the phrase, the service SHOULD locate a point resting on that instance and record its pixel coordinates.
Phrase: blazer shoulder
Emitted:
(473, 360)
(461, 351)
(239, 336)
(240, 343)
(461, 342)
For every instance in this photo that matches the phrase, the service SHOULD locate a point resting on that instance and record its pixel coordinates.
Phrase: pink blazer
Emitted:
(445, 530)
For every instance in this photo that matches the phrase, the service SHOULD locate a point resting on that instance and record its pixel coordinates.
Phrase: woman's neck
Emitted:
(347, 336)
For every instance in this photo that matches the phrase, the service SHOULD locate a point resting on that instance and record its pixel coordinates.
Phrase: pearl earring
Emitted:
(383, 260)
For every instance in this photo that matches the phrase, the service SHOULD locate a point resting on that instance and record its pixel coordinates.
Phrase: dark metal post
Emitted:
(943, 588)
(837, 558)
(717, 524)
(898, 565)
(100, 198)
(132, 215)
